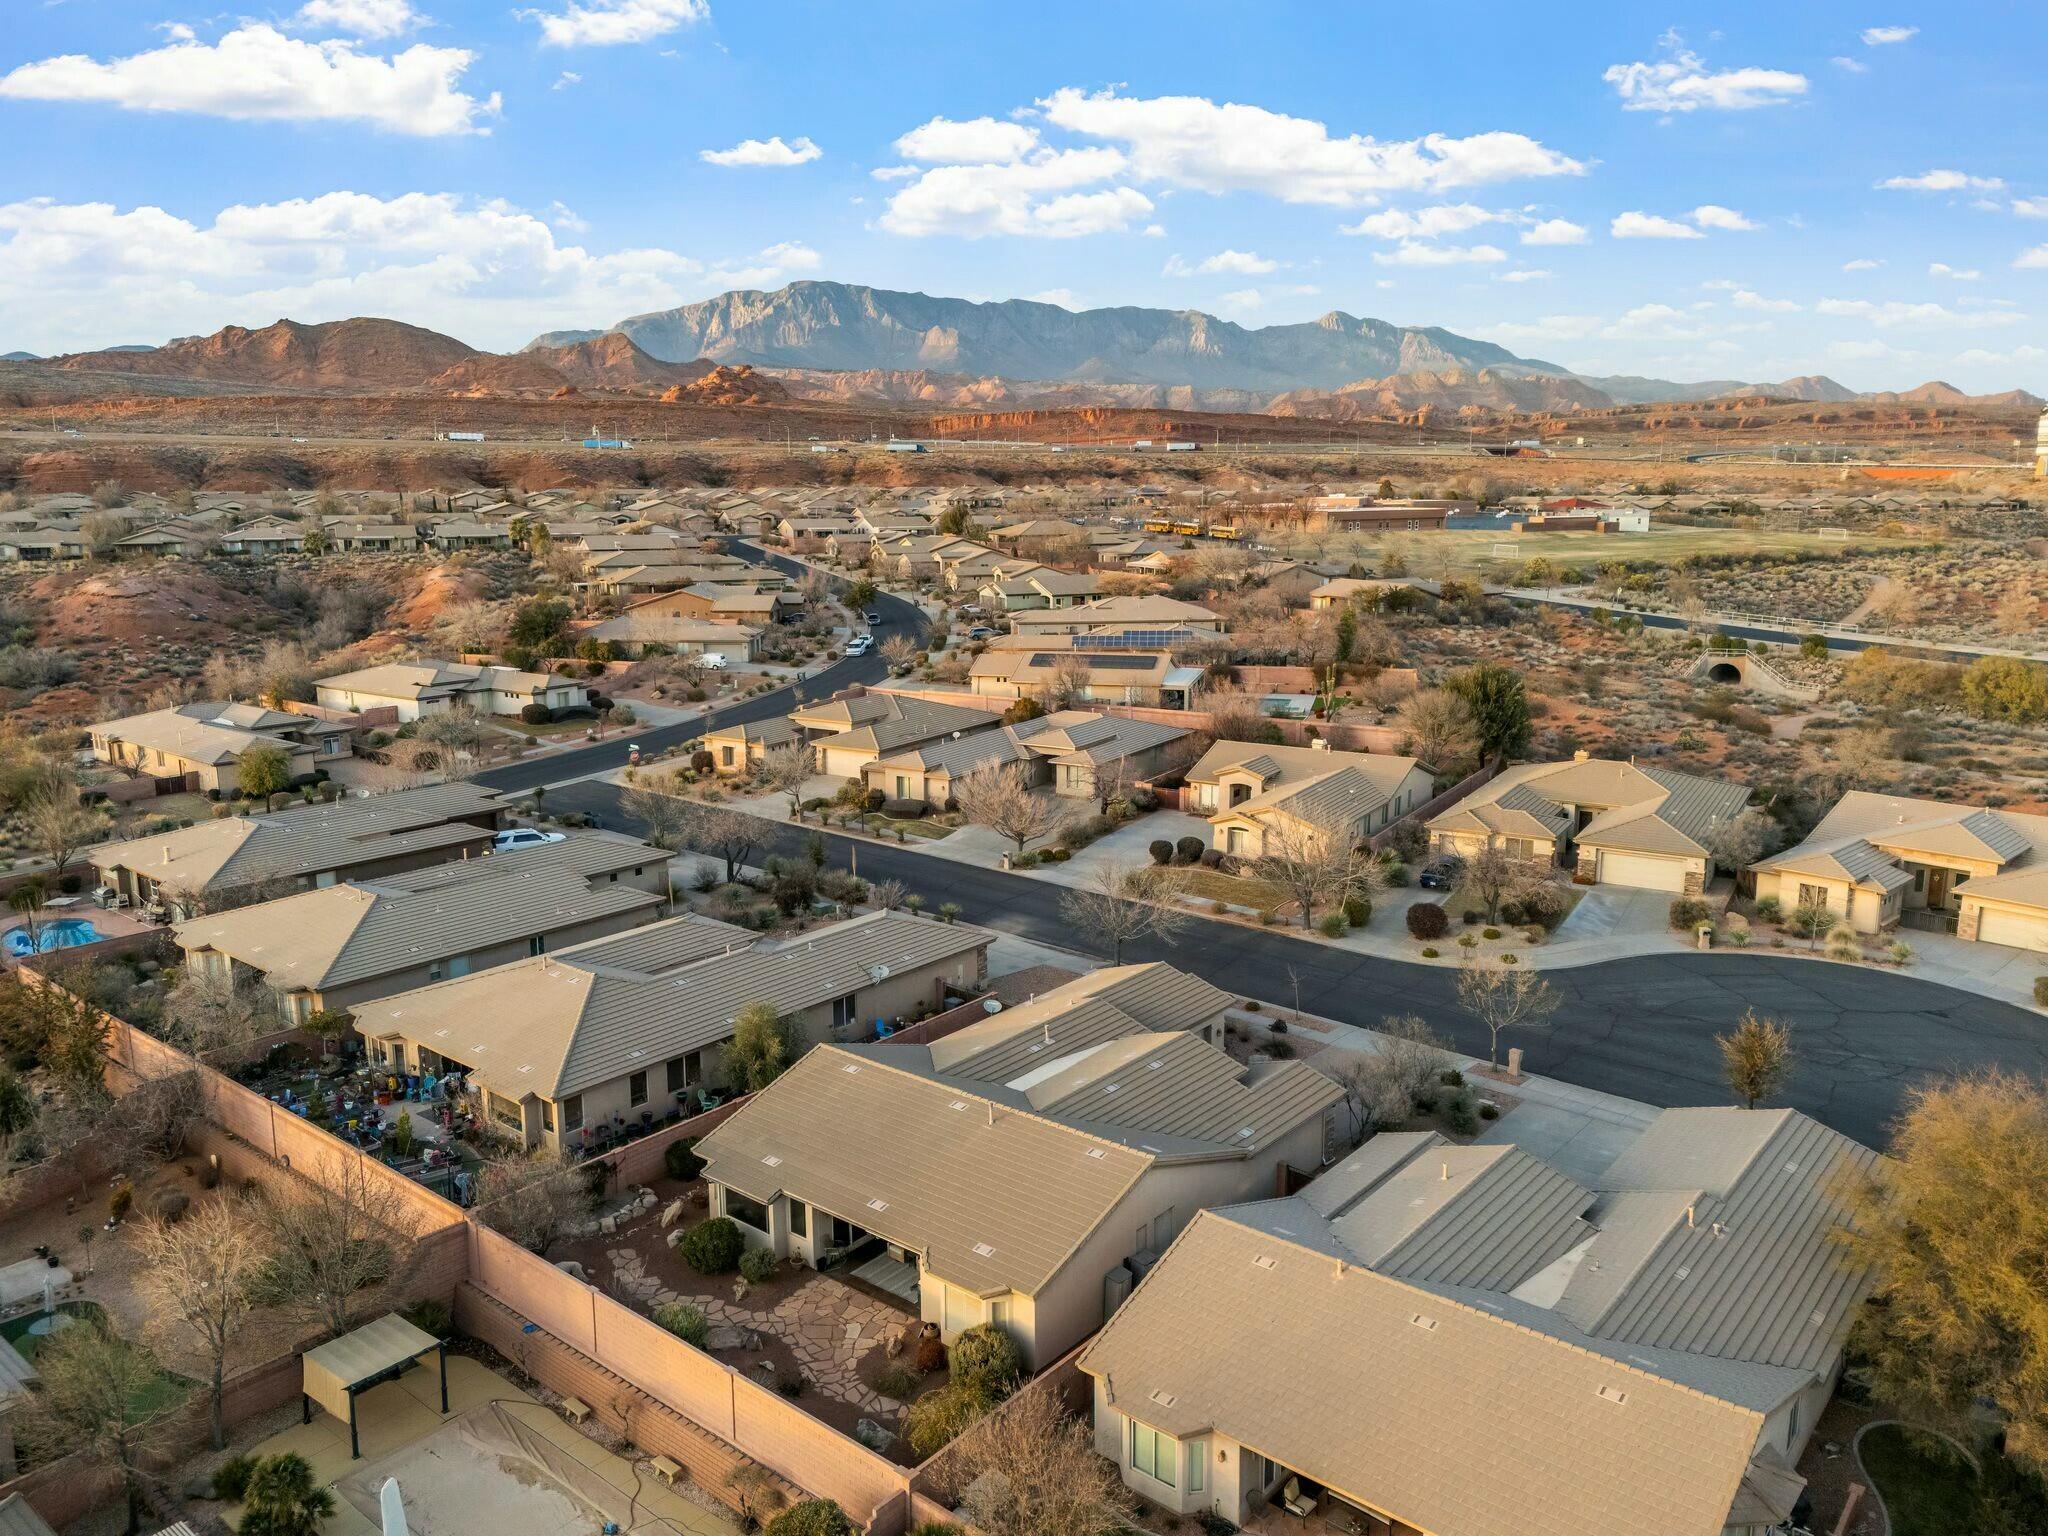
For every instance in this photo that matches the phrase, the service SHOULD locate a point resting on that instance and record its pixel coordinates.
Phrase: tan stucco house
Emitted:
(418, 689)
(856, 728)
(204, 742)
(1299, 794)
(1010, 1167)
(1072, 752)
(1875, 858)
(1465, 1341)
(1611, 823)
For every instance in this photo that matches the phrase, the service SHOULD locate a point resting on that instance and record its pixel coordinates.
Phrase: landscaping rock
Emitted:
(608, 1224)
(731, 1336)
(673, 1237)
(671, 1213)
(873, 1435)
(573, 1269)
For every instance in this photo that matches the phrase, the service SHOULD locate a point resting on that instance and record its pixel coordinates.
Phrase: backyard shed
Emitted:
(376, 1352)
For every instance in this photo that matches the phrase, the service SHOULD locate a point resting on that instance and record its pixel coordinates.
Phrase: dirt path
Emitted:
(1880, 594)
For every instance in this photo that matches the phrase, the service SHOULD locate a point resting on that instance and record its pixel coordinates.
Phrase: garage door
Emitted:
(1642, 872)
(2022, 930)
(844, 765)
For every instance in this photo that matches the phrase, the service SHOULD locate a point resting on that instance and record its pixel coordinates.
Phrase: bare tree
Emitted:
(1439, 729)
(1504, 998)
(886, 895)
(1315, 866)
(459, 735)
(208, 1010)
(197, 1278)
(723, 832)
(787, 770)
(1495, 876)
(1067, 688)
(94, 1401)
(535, 1200)
(999, 796)
(1123, 903)
(333, 1243)
(899, 651)
(1031, 1471)
(1740, 842)
(665, 817)
(1755, 1057)
(58, 825)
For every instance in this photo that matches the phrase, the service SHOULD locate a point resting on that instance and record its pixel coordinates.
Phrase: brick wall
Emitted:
(639, 1161)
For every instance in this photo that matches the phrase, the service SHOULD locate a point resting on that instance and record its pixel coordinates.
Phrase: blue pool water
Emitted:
(61, 933)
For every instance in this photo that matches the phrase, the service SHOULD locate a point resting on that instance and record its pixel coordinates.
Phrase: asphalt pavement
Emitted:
(1641, 1028)
(897, 617)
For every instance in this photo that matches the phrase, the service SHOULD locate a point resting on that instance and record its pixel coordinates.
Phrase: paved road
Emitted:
(898, 617)
(1642, 1028)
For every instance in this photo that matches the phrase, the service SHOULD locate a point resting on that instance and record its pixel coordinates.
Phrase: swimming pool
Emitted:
(58, 933)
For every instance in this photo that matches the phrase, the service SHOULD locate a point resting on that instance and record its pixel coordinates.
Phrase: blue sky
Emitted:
(1729, 190)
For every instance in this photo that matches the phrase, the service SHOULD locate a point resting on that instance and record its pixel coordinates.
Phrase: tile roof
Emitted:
(1638, 809)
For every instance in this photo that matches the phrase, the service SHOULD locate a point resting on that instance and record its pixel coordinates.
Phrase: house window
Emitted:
(636, 1089)
(748, 1213)
(547, 1115)
(799, 1219)
(537, 945)
(572, 1112)
(678, 1075)
(725, 756)
(845, 1011)
(1154, 1454)
(1198, 1455)
(1520, 848)
(1813, 895)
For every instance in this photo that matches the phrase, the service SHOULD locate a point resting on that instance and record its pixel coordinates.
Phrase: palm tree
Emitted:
(283, 1499)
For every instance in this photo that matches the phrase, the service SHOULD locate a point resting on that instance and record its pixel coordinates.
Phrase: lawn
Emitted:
(1929, 1495)
(163, 1390)
(1239, 890)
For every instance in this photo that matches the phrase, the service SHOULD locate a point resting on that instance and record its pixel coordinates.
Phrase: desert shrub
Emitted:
(759, 1265)
(1769, 909)
(686, 1322)
(681, 1160)
(2041, 991)
(231, 1478)
(1426, 920)
(431, 1316)
(1491, 933)
(536, 714)
(1688, 912)
(713, 1247)
(1161, 851)
(1461, 1115)
(1357, 911)
(937, 1418)
(1333, 925)
(1212, 858)
(1545, 906)
(1188, 850)
(898, 1381)
(987, 1356)
(813, 1517)
(930, 1356)
(904, 810)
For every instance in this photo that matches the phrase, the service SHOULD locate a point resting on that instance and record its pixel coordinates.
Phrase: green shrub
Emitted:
(1688, 912)
(1333, 925)
(1357, 911)
(986, 1355)
(431, 1316)
(813, 1517)
(1188, 850)
(2041, 991)
(898, 1381)
(1161, 850)
(1451, 1077)
(1460, 1115)
(1426, 920)
(1430, 952)
(936, 1418)
(1491, 933)
(686, 1322)
(1769, 909)
(231, 1478)
(759, 1265)
(680, 1158)
(713, 1247)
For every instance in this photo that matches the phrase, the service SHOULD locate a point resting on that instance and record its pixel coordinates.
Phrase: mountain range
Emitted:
(837, 342)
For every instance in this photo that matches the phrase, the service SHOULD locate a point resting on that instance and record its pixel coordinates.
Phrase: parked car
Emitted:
(712, 661)
(524, 837)
(1439, 876)
(872, 617)
(860, 645)
(981, 632)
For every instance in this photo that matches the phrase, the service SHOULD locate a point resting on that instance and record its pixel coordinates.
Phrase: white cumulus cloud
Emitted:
(2032, 259)
(2031, 207)
(1942, 181)
(1861, 264)
(1954, 274)
(257, 73)
(610, 23)
(770, 152)
(977, 141)
(361, 18)
(1681, 81)
(1419, 254)
(89, 273)
(1744, 298)
(1650, 226)
(1237, 263)
(1423, 223)
(1208, 146)
(1892, 313)
(1878, 37)
(1714, 216)
(1554, 232)
(1522, 275)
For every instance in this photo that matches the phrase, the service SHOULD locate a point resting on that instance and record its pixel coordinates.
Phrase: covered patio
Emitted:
(340, 1370)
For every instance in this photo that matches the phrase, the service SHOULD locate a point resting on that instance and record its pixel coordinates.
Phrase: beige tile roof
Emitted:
(1639, 809)
(1851, 842)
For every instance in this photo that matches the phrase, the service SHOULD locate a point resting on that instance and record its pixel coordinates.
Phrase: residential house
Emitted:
(1875, 859)
(631, 632)
(733, 603)
(204, 742)
(1040, 587)
(1074, 752)
(1466, 1341)
(44, 544)
(741, 747)
(216, 864)
(332, 948)
(920, 557)
(1343, 591)
(572, 1048)
(1297, 797)
(373, 538)
(1071, 676)
(853, 729)
(269, 535)
(1038, 536)
(1012, 1165)
(1137, 613)
(421, 688)
(462, 533)
(1613, 823)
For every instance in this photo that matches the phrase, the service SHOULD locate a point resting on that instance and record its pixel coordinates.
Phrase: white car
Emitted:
(860, 645)
(524, 837)
(712, 661)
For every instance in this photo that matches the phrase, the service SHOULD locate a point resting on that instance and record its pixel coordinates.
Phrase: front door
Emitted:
(1938, 883)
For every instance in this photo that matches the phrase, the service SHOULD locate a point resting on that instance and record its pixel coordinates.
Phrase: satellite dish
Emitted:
(992, 1005)
(878, 972)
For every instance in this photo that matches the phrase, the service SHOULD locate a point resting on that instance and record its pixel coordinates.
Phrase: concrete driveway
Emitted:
(1616, 911)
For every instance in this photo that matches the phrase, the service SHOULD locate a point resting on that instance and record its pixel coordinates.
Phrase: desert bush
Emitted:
(1333, 925)
(686, 1322)
(1161, 850)
(681, 1160)
(1769, 909)
(904, 810)
(987, 1356)
(1189, 850)
(898, 1381)
(759, 1265)
(231, 1478)
(1688, 912)
(536, 714)
(937, 1418)
(1426, 920)
(713, 1247)
(813, 1517)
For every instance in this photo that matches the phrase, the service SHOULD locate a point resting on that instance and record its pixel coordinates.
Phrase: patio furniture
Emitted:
(666, 1469)
(1297, 1501)
(575, 1409)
